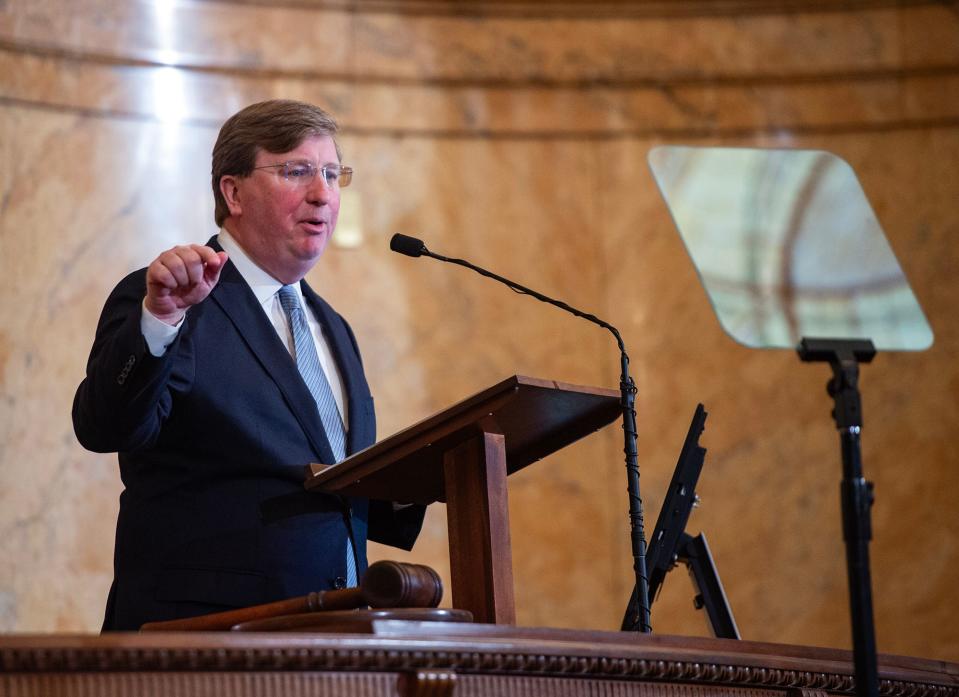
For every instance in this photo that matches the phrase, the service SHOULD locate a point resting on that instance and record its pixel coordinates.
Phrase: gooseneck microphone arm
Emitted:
(413, 247)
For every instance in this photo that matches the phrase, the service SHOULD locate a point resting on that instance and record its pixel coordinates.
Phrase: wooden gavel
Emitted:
(387, 584)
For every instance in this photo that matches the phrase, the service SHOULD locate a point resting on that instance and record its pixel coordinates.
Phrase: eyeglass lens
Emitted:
(302, 172)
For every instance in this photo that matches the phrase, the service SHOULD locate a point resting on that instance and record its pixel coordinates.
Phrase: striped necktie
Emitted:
(308, 363)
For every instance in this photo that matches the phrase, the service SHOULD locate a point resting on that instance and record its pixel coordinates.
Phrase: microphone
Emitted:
(638, 617)
(410, 246)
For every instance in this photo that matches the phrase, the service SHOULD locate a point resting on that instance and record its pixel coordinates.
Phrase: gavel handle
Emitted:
(386, 584)
(345, 599)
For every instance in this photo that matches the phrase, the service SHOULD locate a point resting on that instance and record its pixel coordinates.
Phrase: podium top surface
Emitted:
(537, 417)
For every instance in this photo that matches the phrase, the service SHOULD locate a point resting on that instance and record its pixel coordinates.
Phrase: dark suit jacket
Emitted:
(212, 440)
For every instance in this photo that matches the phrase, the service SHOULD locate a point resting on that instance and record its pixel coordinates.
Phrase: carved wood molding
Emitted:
(442, 661)
(427, 683)
(796, 692)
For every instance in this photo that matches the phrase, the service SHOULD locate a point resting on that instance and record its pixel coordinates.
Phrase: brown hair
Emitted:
(278, 126)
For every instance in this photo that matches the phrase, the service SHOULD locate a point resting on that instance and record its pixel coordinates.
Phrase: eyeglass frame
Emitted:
(344, 172)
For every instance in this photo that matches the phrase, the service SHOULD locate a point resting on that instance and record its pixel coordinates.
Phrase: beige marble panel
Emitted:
(168, 94)
(83, 201)
(573, 49)
(745, 45)
(184, 32)
(418, 47)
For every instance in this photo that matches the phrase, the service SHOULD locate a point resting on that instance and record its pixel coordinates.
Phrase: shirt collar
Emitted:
(263, 285)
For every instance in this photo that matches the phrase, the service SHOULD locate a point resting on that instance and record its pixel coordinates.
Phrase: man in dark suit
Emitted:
(217, 374)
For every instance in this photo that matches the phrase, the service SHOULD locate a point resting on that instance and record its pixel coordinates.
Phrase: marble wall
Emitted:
(513, 134)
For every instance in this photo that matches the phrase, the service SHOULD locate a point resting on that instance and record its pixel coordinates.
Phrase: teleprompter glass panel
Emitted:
(787, 246)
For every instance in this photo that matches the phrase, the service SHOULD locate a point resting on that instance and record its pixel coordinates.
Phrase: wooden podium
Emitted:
(462, 456)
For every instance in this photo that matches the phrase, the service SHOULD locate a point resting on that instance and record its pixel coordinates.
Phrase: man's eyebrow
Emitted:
(321, 164)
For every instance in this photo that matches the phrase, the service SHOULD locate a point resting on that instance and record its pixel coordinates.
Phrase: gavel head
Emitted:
(395, 584)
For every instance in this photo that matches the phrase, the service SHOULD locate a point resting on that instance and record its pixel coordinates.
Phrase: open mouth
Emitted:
(315, 224)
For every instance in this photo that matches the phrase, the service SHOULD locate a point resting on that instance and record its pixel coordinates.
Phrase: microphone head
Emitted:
(410, 246)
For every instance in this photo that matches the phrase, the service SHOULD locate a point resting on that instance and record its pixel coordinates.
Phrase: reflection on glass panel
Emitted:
(787, 247)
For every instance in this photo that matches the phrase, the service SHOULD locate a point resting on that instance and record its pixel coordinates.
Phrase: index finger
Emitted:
(208, 255)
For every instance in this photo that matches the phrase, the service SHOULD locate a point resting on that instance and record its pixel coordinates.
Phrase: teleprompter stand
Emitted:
(844, 357)
(792, 256)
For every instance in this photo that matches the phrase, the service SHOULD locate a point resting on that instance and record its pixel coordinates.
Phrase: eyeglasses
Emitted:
(303, 172)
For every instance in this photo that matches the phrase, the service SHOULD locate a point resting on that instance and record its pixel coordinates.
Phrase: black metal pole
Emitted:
(856, 494)
(637, 528)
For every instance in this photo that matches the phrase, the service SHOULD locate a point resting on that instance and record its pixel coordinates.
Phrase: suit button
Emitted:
(339, 583)
(125, 373)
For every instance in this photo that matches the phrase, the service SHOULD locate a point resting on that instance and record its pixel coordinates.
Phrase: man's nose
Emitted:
(319, 191)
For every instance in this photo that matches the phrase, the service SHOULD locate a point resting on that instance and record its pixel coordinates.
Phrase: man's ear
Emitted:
(229, 187)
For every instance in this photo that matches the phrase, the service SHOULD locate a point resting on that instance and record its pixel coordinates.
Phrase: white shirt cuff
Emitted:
(159, 335)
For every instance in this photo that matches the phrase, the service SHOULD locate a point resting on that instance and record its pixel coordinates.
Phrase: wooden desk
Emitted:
(419, 659)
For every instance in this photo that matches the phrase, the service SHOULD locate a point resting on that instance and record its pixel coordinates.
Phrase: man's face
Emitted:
(284, 226)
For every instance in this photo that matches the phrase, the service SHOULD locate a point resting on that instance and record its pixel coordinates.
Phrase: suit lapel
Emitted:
(236, 299)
